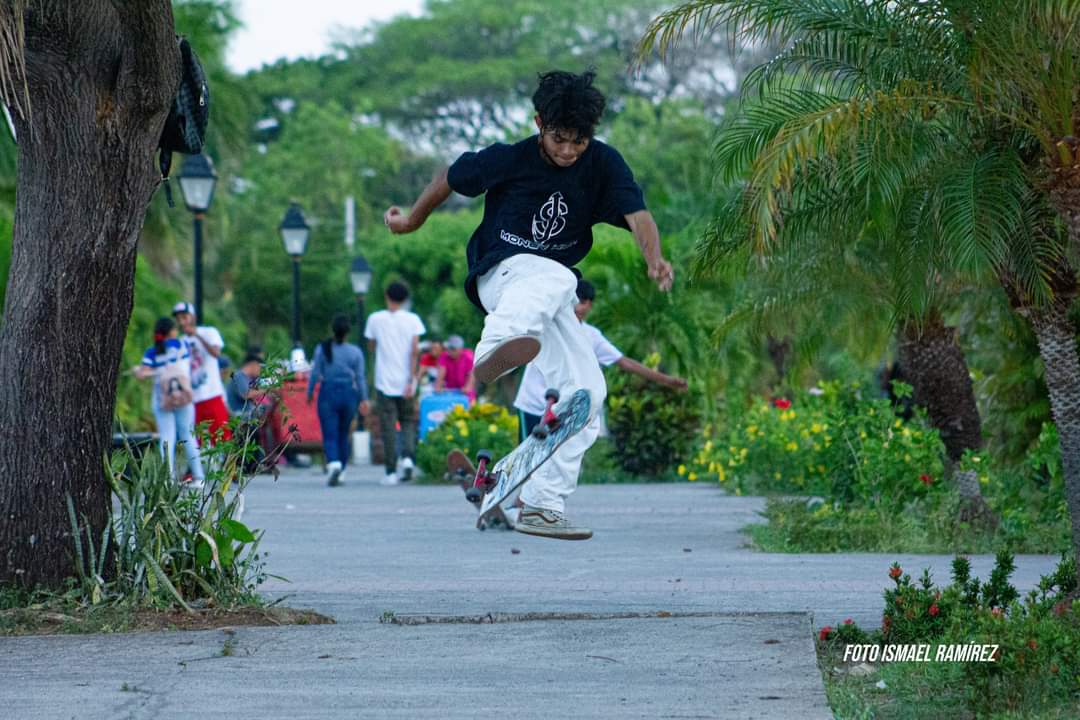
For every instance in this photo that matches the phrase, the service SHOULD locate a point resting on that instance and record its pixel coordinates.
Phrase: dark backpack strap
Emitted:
(166, 167)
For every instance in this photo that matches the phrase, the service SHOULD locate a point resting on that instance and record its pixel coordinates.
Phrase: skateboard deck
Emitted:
(512, 471)
(460, 470)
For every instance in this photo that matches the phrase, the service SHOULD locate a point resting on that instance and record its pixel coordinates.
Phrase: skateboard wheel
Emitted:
(474, 494)
(551, 394)
(540, 432)
(483, 456)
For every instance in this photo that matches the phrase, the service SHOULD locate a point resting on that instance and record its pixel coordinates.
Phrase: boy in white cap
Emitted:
(207, 389)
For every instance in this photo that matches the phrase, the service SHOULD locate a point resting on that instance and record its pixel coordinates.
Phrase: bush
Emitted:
(167, 546)
(484, 426)
(829, 442)
(653, 428)
(1038, 662)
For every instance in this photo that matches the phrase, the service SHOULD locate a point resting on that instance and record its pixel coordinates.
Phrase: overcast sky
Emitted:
(286, 28)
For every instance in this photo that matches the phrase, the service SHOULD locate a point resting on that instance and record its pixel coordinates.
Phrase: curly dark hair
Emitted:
(566, 101)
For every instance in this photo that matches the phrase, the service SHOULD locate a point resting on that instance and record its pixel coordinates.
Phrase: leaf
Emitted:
(212, 545)
(238, 531)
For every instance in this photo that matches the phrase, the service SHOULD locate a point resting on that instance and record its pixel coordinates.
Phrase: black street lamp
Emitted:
(360, 277)
(197, 181)
(294, 234)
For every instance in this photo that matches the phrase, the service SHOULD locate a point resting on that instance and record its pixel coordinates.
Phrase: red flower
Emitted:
(934, 610)
(849, 621)
(825, 633)
(895, 572)
(926, 479)
(886, 623)
(781, 403)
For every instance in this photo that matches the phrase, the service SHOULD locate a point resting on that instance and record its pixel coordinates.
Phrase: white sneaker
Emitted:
(334, 469)
(406, 470)
(390, 479)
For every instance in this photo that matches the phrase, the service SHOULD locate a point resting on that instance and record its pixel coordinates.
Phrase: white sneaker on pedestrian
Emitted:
(406, 470)
(334, 469)
(390, 479)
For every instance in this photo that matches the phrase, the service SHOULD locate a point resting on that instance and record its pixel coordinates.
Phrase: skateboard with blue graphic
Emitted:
(493, 485)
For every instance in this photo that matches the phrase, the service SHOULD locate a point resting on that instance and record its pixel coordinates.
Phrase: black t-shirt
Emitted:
(534, 207)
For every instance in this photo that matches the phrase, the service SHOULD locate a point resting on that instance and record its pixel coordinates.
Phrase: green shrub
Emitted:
(1037, 666)
(829, 442)
(484, 426)
(653, 428)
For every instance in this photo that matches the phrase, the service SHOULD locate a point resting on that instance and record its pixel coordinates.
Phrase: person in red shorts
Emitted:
(207, 390)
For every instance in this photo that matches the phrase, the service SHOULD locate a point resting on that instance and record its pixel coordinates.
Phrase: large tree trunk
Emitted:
(99, 77)
(931, 357)
(1057, 347)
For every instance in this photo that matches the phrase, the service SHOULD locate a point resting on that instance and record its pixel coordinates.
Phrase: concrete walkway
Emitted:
(720, 632)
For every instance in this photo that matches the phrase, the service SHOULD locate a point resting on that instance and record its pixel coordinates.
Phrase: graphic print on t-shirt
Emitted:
(551, 222)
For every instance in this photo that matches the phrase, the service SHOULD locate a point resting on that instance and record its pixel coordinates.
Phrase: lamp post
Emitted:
(360, 277)
(197, 181)
(294, 234)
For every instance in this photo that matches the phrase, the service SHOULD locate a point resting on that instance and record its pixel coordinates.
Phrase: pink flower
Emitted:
(849, 621)
(825, 633)
(782, 403)
(997, 612)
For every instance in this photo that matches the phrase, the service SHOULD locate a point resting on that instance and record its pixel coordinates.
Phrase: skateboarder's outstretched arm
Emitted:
(434, 195)
(633, 366)
(647, 236)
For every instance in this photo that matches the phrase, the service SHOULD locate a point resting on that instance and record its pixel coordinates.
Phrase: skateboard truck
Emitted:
(483, 482)
(550, 421)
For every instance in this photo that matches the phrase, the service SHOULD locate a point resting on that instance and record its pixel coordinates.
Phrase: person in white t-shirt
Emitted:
(530, 401)
(394, 341)
(207, 389)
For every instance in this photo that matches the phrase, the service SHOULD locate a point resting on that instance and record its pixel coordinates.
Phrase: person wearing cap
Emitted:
(207, 389)
(456, 368)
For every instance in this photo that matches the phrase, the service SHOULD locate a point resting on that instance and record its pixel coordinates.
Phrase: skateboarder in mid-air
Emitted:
(544, 194)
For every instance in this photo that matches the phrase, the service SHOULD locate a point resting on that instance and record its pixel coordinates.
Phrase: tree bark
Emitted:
(100, 76)
(1057, 347)
(931, 357)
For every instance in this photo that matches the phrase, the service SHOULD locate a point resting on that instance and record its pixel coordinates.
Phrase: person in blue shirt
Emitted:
(168, 362)
(542, 197)
(339, 366)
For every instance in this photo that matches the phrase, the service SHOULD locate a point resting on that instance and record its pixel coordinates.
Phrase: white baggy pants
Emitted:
(532, 295)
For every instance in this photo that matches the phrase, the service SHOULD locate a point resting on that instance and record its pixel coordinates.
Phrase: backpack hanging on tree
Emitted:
(175, 385)
(185, 128)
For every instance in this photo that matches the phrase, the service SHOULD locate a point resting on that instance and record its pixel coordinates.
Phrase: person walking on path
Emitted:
(205, 344)
(456, 368)
(394, 341)
(543, 195)
(168, 362)
(339, 365)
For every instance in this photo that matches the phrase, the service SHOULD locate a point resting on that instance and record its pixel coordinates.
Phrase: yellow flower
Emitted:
(464, 431)
(708, 446)
(821, 469)
(692, 477)
(984, 479)
(976, 459)
(493, 428)
(817, 428)
(792, 446)
(905, 432)
(743, 452)
(682, 470)
(776, 476)
(897, 424)
(720, 474)
(752, 430)
(862, 434)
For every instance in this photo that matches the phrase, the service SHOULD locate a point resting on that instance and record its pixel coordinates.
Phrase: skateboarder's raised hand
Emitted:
(434, 195)
(647, 236)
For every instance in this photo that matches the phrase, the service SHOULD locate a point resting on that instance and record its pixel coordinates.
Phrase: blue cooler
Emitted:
(435, 407)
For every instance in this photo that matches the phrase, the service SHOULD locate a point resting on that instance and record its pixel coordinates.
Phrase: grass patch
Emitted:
(798, 526)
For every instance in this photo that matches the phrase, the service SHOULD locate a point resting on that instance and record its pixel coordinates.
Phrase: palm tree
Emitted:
(970, 112)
